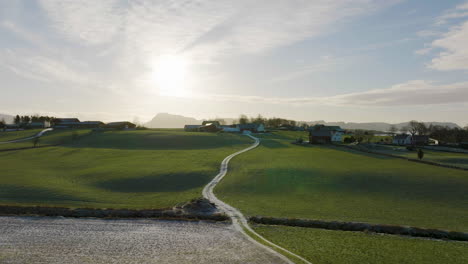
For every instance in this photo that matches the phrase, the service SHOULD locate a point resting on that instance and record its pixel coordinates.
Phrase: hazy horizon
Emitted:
(353, 61)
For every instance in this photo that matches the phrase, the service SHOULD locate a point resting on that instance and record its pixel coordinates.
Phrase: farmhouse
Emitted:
(405, 139)
(192, 128)
(215, 123)
(231, 128)
(120, 125)
(252, 127)
(209, 127)
(321, 134)
(76, 123)
(402, 139)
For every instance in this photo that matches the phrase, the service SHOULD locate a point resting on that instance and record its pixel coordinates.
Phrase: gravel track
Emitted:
(239, 222)
(86, 240)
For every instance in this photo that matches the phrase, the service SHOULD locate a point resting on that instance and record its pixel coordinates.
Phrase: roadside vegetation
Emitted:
(329, 246)
(280, 179)
(115, 169)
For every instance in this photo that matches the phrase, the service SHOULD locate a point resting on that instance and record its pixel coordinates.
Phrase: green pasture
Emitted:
(341, 247)
(13, 135)
(280, 179)
(115, 169)
(59, 136)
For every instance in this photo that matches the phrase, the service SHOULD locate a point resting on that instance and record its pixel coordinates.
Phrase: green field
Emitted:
(448, 158)
(12, 135)
(340, 247)
(60, 136)
(115, 169)
(280, 179)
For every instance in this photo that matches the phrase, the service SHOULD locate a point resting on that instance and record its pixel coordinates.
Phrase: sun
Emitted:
(170, 75)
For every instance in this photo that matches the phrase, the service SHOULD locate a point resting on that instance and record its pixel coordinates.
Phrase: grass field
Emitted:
(115, 169)
(60, 136)
(448, 158)
(12, 135)
(340, 247)
(280, 179)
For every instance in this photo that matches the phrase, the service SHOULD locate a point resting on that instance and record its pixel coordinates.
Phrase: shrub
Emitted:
(420, 154)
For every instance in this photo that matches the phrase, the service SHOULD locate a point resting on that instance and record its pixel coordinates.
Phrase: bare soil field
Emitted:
(59, 240)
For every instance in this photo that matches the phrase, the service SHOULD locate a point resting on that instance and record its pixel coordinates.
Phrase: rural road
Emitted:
(239, 222)
(28, 138)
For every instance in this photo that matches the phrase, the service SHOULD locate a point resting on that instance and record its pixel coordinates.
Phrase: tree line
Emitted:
(273, 122)
(32, 119)
(443, 134)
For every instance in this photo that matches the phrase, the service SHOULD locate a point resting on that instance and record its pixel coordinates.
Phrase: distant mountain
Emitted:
(378, 126)
(165, 120)
(8, 118)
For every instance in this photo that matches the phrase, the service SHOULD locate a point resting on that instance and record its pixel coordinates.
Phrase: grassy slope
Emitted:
(124, 169)
(59, 136)
(318, 182)
(12, 135)
(327, 246)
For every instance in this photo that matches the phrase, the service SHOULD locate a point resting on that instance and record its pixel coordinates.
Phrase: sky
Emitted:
(334, 60)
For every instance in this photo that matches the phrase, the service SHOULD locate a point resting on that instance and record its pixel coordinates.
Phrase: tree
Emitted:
(393, 129)
(420, 154)
(243, 119)
(259, 120)
(2, 123)
(422, 129)
(17, 119)
(221, 121)
(413, 127)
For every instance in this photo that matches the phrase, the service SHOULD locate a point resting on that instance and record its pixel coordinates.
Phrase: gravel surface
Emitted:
(70, 240)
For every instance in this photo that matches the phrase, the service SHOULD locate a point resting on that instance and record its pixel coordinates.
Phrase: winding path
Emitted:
(239, 222)
(28, 138)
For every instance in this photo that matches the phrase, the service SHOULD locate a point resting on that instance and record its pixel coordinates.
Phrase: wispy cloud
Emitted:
(417, 92)
(453, 43)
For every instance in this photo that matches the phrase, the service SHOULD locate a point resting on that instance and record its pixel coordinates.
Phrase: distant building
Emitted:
(120, 125)
(75, 123)
(402, 139)
(405, 139)
(252, 127)
(209, 127)
(420, 140)
(321, 134)
(231, 128)
(215, 123)
(192, 128)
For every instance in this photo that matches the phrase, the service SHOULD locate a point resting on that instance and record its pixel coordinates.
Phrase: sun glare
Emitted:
(170, 74)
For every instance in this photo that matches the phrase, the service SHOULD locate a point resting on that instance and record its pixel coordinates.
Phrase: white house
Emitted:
(402, 139)
(325, 134)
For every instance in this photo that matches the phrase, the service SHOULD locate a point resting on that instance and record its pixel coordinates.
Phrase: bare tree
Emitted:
(422, 128)
(413, 127)
(393, 129)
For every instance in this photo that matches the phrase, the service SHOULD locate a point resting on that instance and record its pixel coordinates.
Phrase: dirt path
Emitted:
(240, 223)
(28, 138)
(127, 241)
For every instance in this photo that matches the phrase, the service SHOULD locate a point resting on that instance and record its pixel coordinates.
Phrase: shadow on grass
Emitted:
(358, 152)
(21, 194)
(173, 182)
(158, 141)
(346, 185)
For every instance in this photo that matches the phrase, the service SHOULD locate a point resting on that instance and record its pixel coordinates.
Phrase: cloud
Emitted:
(452, 43)
(84, 21)
(455, 54)
(411, 93)
(459, 11)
